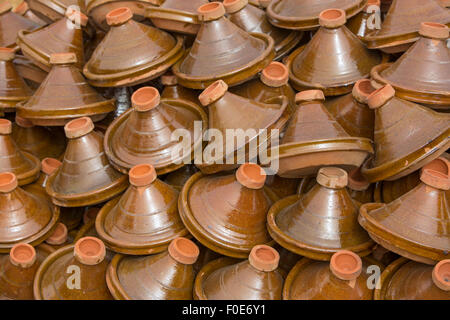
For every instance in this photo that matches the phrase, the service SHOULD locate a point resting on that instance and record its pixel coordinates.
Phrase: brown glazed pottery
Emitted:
(52, 10)
(85, 176)
(227, 213)
(144, 219)
(320, 222)
(365, 21)
(401, 25)
(144, 133)
(343, 278)
(39, 141)
(23, 164)
(260, 121)
(383, 255)
(313, 139)
(25, 217)
(352, 112)
(13, 88)
(388, 191)
(223, 51)
(410, 280)
(253, 19)
(415, 225)
(304, 14)
(333, 60)
(421, 74)
(64, 35)
(288, 259)
(176, 16)
(29, 71)
(178, 178)
(273, 82)
(257, 278)
(131, 52)
(64, 95)
(59, 238)
(407, 136)
(23, 9)
(172, 90)
(74, 272)
(10, 24)
(168, 275)
(281, 187)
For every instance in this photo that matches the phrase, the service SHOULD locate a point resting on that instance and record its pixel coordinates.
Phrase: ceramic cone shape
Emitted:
(132, 53)
(223, 51)
(10, 25)
(401, 25)
(63, 96)
(52, 10)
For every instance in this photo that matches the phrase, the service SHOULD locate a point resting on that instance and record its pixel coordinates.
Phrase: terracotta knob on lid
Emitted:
(211, 11)
(309, 95)
(275, 74)
(50, 165)
(142, 175)
(434, 30)
(22, 255)
(346, 265)
(332, 18)
(59, 236)
(369, 6)
(90, 214)
(90, 251)
(78, 127)
(5, 126)
(21, 8)
(169, 79)
(441, 275)
(332, 177)
(8, 182)
(7, 54)
(183, 250)
(145, 99)
(380, 96)
(76, 17)
(436, 174)
(264, 258)
(356, 180)
(63, 58)
(232, 6)
(362, 89)
(23, 122)
(119, 16)
(213, 92)
(251, 175)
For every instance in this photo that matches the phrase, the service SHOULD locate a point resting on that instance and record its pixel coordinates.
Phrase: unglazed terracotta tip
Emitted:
(211, 11)
(50, 165)
(346, 265)
(59, 236)
(264, 258)
(380, 96)
(78, 127)
(145, 99)
(441, 275)
(8, 182)
(169, 79)
(332, 177)
(89, 251)
(275, 75)
(362, 89)
(232, 6)
(183, 250)
(309, 95)
(21, 8)
(76, 17)
(7, 54)
(213, 92)
(356, 180)
(332, 18)
(251, 175)
(22, 255)
(23, 122)
(63, 58)
(90, 214)
(5, 126)
(119, 16)
(434, 30)
(436, 174)
(369, 6)
(142, 175)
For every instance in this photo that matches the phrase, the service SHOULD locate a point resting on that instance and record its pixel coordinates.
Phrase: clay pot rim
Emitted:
(386, 277)
(211, 11)
(332, 18)
(434, 30)
(112, 279)
(264, 258)
(22, 261)
(23, 122)
(142, 175)
(248, 176)
(362, 89)
(306, 96)
(5, 126)
(440, 280)
(380, 96)
(79, 127)
(63, 58)
(332, 177)
(8, 182)
(183, 250)
(59, 235)
(50, 165)
(7, 54)
(175, 16)
(275, 75)
(213, 92)
(145, 98)
(89, 251)
(232, 6)
(340, 271)
(118, 16)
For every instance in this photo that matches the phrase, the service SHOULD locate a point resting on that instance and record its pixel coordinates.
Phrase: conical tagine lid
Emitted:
(144, 219)
(64, 95)
(85, 176)
(10, 25)
(223, 51)
(257, 278)
(131, 52)
(333, 60)
(24, 217)
(343, 278)
(21, 7)
(227, 111)
(421, 74)
(24, 165)
(410, 280)
(144, 133)
(52, 10)
(64, 35)
(74, 272)
(366, 20)
(415, 225)
(313, 139)
(13, 88)
(402, 23)
(168, 275)
(407, 136)
(320, 222)
(227, 213)
(252, 19)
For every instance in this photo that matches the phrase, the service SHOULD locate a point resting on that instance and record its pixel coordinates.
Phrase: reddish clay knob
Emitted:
(434, 30)
(436, 174)
(346, 265)
(142, 175)
(309, 95)
(332, 18)
(356, 180)
(7, 54)
(90, 250)
(441, 275)
(251, 175)
(183, 250)
(213, 92)
(275, 74)
(380, 96)
(119, 16)
(50, 165)
(362, 89)
(211, 11)
(332, 177)
(8, 182)
(21, 8)
(59, 236)
(264, 258)
(5, 126)
(169, 79)
(22, 255)
(78, 127)
(63, 58)
(76, 17)
(145, 99)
